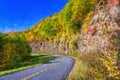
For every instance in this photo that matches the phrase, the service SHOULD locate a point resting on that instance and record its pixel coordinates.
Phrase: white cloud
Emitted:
(15, 24)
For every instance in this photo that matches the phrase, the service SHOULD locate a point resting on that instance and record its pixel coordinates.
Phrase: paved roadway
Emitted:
(57, 69)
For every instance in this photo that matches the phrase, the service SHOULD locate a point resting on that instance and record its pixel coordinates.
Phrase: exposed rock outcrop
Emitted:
(105, 23)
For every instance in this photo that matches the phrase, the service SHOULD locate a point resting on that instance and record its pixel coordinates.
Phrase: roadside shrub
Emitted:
(13, 48)
(2, 55)
(102, 66)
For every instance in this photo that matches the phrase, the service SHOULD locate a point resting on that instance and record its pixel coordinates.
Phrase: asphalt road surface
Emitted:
(57, 69)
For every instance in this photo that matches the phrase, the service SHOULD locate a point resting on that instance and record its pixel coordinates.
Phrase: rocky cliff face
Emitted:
(103, 28)
(51, 47)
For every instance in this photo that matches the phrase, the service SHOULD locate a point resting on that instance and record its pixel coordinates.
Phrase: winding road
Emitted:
(57, 69)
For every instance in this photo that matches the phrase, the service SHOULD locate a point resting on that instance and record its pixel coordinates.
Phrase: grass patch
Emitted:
(79, 71)
(33, 60)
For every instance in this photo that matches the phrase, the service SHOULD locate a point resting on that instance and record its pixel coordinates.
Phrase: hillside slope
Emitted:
(61, 29)
(77, 28)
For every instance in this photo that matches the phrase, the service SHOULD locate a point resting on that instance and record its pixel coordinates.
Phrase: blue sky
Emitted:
(17, 15)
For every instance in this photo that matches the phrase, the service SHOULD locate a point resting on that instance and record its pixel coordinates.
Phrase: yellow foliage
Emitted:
(94, 2)
(85, 29)
(103, 66)
(109, 62)
(89, 16)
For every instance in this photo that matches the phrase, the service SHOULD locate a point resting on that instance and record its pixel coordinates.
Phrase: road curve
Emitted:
(57, 69)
